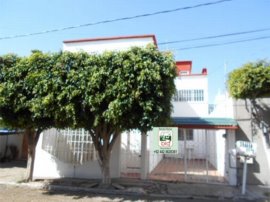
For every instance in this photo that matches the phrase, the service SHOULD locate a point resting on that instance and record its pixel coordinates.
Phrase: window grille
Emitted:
(175, 97)
(194, 95)
(70, 146)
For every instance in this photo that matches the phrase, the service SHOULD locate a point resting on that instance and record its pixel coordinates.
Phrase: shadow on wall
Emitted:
(254, 125)
(10, 147)
(252, 168)
(260, 115)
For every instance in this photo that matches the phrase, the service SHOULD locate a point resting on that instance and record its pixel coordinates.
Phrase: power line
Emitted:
(222, 44)
(114, 20)
(215, 36)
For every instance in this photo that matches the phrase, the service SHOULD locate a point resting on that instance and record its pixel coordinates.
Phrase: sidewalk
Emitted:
(11, 174)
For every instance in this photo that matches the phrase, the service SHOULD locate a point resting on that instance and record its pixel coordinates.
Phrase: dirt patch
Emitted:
(14, 171)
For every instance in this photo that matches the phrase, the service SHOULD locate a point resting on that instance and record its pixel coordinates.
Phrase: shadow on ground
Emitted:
(12, 164)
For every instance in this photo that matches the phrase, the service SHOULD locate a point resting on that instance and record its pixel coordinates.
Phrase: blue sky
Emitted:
(23, 17)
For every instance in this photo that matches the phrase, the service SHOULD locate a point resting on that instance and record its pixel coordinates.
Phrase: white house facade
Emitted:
(203, 140)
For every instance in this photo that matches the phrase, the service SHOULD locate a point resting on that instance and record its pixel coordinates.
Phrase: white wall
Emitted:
(223, 106)
(48, 166)
(191, 109)
(131, 151)
(7, 140)
(230, 162)
(107, 45)
(153, 158)
(216, 149)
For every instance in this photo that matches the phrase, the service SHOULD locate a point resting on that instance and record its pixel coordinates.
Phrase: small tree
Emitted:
(250, 81)
(20, 81)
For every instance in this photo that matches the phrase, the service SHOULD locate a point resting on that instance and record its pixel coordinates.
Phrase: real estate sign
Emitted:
(165, 140)
(244, 148)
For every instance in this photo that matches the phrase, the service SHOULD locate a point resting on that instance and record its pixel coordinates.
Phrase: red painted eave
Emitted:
(113, 38)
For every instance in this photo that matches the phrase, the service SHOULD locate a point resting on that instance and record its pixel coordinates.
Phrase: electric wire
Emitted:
(221, 44)
(215, 36)
(114, 20)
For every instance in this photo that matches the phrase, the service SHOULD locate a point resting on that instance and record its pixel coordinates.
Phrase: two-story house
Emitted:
(203, 142)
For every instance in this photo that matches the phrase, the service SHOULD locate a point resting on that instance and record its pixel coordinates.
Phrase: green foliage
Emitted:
(106, 93)
(252, 80)
(18, 82)
(129, 89)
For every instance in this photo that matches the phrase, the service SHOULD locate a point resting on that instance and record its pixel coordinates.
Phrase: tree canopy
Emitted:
(104, 93)
(21, 82)
(252, 80)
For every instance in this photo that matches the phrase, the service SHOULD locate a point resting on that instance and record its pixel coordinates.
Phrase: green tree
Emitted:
(117, 91)
(105, 94)
(20, 79)
(250, 81)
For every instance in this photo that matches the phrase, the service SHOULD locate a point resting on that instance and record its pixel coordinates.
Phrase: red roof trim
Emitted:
(113, 38)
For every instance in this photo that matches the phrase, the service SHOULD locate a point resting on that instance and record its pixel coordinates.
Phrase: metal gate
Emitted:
(71, 146)
(130, 154)
(200, 158)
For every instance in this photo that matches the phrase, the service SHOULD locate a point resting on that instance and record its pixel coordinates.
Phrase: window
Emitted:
(189, 135)
(194, 95)
(184, 72)
(198, 95)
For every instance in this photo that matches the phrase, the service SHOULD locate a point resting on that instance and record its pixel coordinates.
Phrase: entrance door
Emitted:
(131, 154)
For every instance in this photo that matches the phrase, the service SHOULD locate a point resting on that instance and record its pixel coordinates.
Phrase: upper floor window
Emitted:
(191, 95)
(183, 72)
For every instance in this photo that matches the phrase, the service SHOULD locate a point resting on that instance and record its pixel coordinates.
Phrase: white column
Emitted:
(185, 152)
(231, 163)
(206, 155)
(144, 163)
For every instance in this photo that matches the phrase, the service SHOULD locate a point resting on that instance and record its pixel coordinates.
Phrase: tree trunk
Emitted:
(104, 142)
(32, 137)
(105, 168)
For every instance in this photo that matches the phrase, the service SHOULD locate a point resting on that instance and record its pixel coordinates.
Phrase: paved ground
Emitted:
(25, 194)
(12, 171)
(13, 189)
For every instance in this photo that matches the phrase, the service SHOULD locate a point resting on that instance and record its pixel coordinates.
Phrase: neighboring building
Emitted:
(254, 126)
(203, 144)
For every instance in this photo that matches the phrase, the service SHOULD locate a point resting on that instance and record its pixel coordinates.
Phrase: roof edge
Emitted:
(205, 122)
(113, 38)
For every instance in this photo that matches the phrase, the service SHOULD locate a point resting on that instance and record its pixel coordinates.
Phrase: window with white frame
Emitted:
(189, 95)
